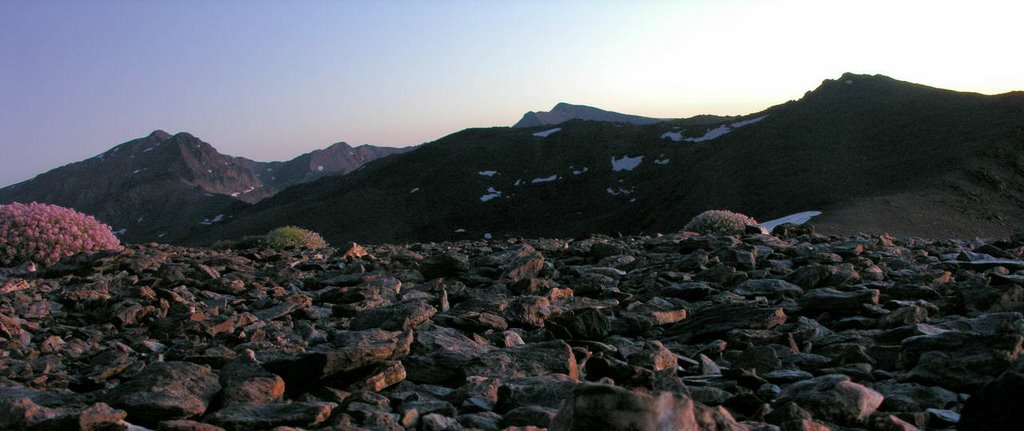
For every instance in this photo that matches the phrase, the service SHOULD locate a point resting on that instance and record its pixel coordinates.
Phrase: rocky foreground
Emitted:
(795, 332)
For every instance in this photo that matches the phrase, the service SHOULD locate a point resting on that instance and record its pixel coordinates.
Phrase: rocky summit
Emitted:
(796, 331)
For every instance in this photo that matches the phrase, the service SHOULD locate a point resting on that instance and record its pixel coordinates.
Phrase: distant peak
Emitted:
(564, 111)
(160, 135)
(339, 145)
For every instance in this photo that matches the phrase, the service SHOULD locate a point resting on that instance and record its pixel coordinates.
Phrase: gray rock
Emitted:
(833, 398)
(401, 316)
(539, 359)
(612, 408)
(267, 416)
(717, 320)
(832, 300)
(583, 324)
(244, 381)
(772, 288)
(166, 391)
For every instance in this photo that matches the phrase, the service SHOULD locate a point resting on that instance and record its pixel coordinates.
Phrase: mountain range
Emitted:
(872, 153)
(164, 187)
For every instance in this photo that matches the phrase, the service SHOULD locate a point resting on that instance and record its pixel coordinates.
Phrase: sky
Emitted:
(270, 80)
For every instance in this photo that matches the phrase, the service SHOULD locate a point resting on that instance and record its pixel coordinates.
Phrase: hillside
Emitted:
(873, 153)
(163, 187)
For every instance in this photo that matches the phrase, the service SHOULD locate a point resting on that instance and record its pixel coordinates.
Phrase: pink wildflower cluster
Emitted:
(44, 233)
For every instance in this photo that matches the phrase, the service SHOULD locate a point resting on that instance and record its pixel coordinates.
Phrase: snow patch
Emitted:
(711, 134)
(626, 163)
(120, 231)
(723, 129)
(547, 133)
(848, 82)
(739, 124)
(487, 173)
(136, 171)
(518, 182)
(488, 236)
(216, 219)
(251, 188)
(674, 136)
(619, 191)
(414, 190)
(491, 194)
(661, 161)
(148, 149)
(161, 235)
(544, 179)
(579, 171)
(798, 218)
(320, 168)
(460, 230)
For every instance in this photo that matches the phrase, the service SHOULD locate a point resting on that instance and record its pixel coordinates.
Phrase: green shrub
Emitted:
(719, 222)
(44, 233)
(292, 237)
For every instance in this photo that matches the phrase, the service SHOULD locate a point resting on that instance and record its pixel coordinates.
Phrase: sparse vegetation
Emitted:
(293, 237)
(44, 233)
(719, 222)
(246, 242)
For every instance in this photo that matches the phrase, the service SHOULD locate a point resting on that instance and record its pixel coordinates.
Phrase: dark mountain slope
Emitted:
(154, 188)
(840, 147)
(162, 187)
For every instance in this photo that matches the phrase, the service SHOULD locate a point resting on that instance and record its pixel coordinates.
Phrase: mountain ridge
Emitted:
(563, 112)
(921, 156)
(158, 186)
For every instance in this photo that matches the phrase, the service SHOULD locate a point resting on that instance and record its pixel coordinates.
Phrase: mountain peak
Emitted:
(159, 135)
(563, 112)
(338, 146)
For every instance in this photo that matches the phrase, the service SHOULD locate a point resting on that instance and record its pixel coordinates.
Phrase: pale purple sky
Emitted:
(270, 80)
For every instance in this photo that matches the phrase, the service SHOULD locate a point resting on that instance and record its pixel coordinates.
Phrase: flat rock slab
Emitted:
(829, 299)
(239, 417)
(244, 381)
(611, 408)
(303, 370)
(717, 320)
(834, 397)
(552, 357)
(166, 391)
(398, 317)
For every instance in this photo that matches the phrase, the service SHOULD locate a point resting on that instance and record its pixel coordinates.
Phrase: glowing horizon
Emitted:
(270, 81)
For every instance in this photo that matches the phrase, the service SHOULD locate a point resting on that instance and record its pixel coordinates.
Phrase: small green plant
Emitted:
(719, 222)
(292, 237)
(44, 233)
(246, 242)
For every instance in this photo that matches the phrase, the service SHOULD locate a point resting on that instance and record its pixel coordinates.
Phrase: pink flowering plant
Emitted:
(44, 233)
